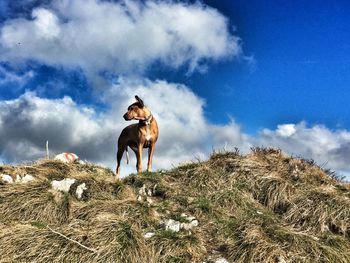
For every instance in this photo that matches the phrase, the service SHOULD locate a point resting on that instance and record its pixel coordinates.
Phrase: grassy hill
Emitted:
(260, 207)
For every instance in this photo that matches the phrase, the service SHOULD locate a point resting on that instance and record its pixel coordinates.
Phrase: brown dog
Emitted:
(138, 136)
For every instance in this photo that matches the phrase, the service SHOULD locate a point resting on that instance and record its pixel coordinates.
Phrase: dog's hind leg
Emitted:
(119, 157)
(127, 155)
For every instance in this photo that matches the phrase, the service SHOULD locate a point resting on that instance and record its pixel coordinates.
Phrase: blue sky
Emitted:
(273, 73)
(302, 54)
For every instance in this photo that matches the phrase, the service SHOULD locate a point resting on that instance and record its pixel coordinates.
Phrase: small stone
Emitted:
(7, 178)
(155, 188)
(142, 190)
(259, 213)
(189, 226)
(149, 200)
(191, 218)
(63, 185)
(296, 169)
(139, 198)
(156, 214)
(172, 225)
(194, 223)
(27, 178)
(186, 226)
(188, 218)
(149, 235)
(221, 260)
(80, 190)
(18, 178)
(324, 228)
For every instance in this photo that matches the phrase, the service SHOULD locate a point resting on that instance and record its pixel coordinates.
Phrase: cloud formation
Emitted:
(123, 37)
(27, 122)
(185, 134)
(327, 147)
(105, 39)
(15, 79)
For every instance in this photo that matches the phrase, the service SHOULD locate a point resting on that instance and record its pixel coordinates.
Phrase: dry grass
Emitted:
(174, 247)
(321, 210)
(261, 207)
(107, 239)
(33, 201)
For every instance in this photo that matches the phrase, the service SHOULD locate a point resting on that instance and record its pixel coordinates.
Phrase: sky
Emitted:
(216, 75)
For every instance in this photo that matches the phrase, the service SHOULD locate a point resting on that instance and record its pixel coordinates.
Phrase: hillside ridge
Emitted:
(264, 206)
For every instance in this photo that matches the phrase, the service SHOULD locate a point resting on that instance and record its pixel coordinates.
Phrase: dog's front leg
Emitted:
(139, 158)
(150, 157)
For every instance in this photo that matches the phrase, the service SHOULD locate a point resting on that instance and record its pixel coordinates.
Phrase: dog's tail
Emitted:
(127, 155)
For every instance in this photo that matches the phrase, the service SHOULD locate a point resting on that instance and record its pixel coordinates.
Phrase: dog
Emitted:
(138, 136)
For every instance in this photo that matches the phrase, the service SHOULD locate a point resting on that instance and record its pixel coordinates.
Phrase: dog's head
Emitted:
(137, 111)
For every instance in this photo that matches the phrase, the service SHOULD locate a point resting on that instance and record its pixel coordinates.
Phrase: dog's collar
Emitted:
(147, 121)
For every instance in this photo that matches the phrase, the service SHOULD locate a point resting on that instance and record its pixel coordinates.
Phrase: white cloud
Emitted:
(124, 37)
(46, 24)
(327, 147)
(27, 122)
(286, 130)
(185, 133)
(12, 77)
(229, 136)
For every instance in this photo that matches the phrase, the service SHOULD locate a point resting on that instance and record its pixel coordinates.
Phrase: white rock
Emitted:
(156, 214)
(187, 217)
(142, 190)
(189, 226)
(67, 157)
(259, 213)
(63, 185)
(154, 188)
(149, 192)
(221, 260)
(18, 178)
(186, 226)
(191, 218)
(80, 190)
(6, 178)
(149, 200)
(27, 178)
(172, 225)
(139, 198)
(149, 235)
(194, 223)
(324, 228)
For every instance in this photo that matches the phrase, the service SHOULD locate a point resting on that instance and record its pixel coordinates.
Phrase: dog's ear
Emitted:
(139, 100)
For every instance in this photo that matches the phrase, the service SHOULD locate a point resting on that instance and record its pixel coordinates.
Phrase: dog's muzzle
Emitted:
(126, 117)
